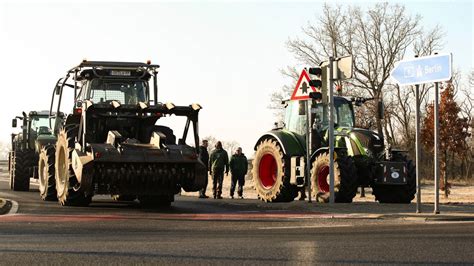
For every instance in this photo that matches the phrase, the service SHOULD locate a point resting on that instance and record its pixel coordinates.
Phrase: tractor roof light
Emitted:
(142, 105)
(170, 106)
(115, 104)
(196, 106)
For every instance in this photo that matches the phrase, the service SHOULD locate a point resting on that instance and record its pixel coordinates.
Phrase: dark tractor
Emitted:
(361, 158)
(110, 143)
(26, 145)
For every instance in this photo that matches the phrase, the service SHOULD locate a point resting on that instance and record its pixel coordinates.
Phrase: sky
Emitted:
(223, 55)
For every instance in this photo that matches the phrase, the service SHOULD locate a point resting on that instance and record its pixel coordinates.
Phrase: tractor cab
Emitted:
(35, 126)
(296, 118)
(122, 86)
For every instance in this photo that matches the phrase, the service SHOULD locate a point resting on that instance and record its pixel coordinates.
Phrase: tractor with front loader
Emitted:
(361, 157)
(25, 147)
(110, 143)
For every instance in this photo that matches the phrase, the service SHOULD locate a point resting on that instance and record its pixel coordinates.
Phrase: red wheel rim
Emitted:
(323, 173)
(267, 170)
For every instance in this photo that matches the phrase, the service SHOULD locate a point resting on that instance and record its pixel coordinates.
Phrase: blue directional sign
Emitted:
(427, 69)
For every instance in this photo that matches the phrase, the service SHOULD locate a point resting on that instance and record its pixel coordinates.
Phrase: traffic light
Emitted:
(317, 83)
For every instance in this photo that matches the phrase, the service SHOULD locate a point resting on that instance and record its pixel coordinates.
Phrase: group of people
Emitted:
(218, 163)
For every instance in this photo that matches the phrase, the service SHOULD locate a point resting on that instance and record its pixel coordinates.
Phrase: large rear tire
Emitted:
(67, 186)
(46, 173)
(21, 163)
(398, 193)
(269, 173)
(345, 178)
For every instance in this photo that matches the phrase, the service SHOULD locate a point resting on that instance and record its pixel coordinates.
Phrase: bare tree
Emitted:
(276, 98)
(467, 112)
(229, 145)
(376, 37)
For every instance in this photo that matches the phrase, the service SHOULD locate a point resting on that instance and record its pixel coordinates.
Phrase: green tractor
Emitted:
(110, 142)
(26, 145)
(361, 158)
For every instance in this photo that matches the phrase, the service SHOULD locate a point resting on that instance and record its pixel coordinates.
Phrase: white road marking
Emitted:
(305, 226)
(8, 195)
(449, 222)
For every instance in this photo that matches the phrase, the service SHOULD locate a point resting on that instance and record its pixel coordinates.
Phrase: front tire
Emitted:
(21, 163)
(345, 178)
(68, 189)
(46, 173)
(269, 173)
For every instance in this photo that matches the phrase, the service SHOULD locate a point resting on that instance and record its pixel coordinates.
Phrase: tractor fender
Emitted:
(337, 150)
(287, 140)
(44, 140)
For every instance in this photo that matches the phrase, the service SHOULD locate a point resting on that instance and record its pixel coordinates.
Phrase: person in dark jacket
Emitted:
(238, 169)
(204, 157)
(218, 162)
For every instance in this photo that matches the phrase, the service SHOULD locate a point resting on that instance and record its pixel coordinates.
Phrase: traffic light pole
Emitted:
(308, 148)
(331, 130)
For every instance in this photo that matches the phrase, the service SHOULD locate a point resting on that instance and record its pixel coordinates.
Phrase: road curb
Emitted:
(449, 217)
(5, 206)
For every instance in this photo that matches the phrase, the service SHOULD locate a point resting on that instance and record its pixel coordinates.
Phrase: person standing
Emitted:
(218, 162)
(204, 157)
(238, 169)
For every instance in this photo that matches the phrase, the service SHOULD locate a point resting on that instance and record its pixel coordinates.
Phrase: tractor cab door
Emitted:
(295, 117)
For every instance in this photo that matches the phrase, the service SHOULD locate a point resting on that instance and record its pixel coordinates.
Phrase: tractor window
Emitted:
(123, 91)
(345, 116)
(40, 124)
(295, 120)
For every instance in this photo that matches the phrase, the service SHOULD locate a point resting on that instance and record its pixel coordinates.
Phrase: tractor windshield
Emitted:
(123, 91)
(40, 124)
(345, 114)
(295, 116)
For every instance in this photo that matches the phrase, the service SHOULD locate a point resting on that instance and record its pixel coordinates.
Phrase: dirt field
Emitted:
(459, 193)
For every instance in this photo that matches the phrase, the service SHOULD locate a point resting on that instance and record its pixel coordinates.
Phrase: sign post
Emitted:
(417, 147)
(331, 130)
(436, 149)
(427, 69)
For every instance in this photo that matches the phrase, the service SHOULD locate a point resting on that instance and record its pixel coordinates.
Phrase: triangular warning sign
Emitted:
(302, 88)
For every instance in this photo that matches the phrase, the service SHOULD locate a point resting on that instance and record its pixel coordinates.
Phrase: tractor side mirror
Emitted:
(57, 90)
(380, 110)
(14, 122)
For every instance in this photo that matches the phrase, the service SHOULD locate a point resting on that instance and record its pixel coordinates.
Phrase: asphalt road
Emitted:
(211, 231)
